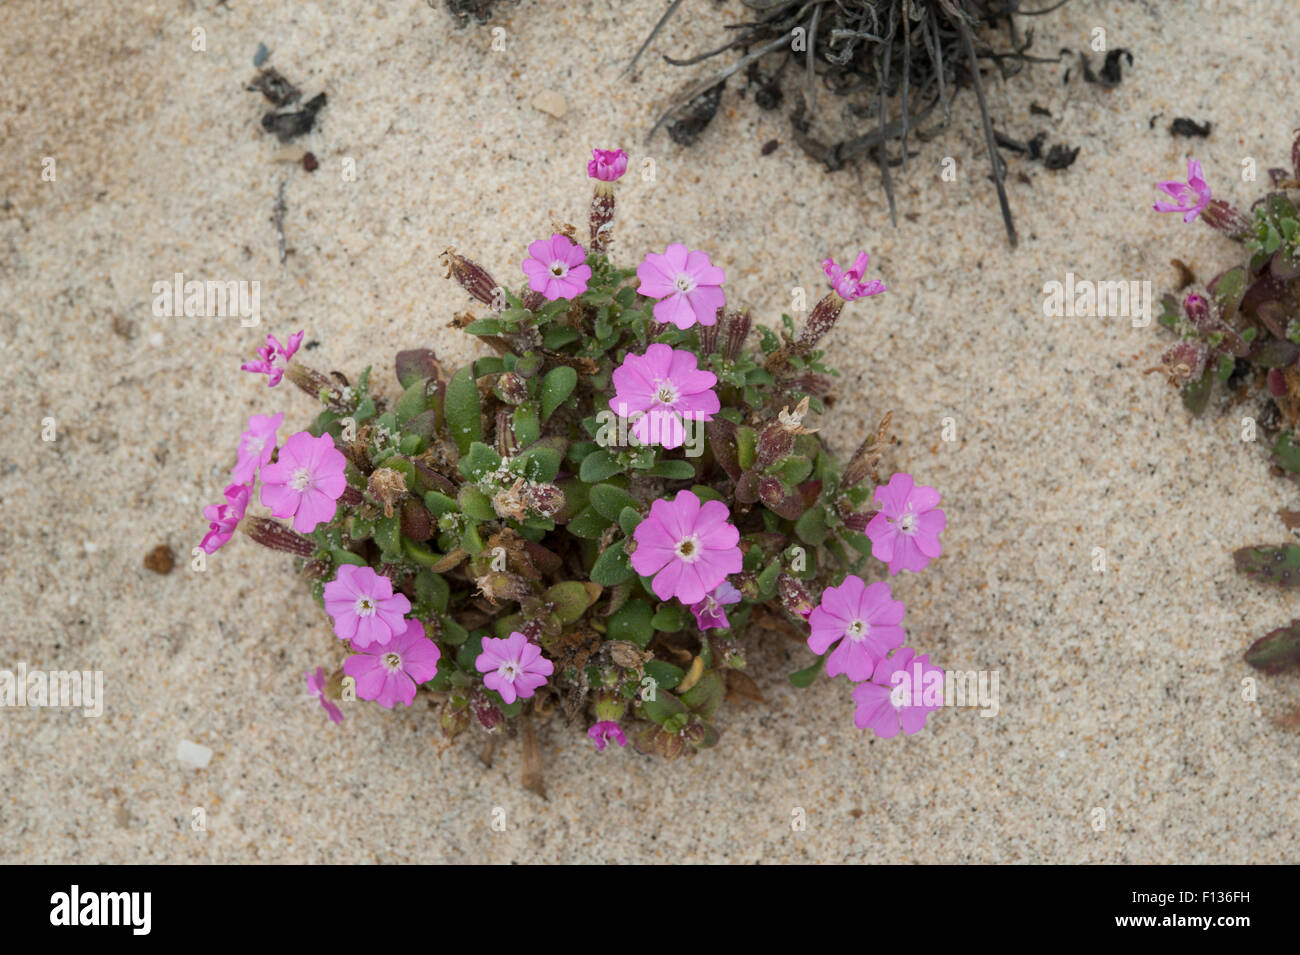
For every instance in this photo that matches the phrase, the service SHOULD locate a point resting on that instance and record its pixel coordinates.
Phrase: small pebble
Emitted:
(551, 102)
(260, 56)
(310, 162)
(160, 560)
(193, 754)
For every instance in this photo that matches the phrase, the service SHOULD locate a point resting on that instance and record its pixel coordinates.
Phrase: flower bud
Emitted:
(511, 389)
(545, 499)
(487, 713)
(794, 596)
(823, 318)
(277, 536)
(471, 276)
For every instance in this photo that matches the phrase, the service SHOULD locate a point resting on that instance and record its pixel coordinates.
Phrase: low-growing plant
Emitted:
(1241, 332)
(596, 519)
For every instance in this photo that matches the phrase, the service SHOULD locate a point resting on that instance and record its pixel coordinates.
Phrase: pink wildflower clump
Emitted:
(905, 532)
(224, 518)
(256, 445)
(600, 733)
(864, 620)
(557, 268)
(1190, 197)
(904, 690)
(687, 285)
(316, 687)
(306, 481)
(607, 165)
(390, 673)
(848, 284)
(688, 547)
(514, 667)
(273, 358)
(364, 607)
(709, 614)
(663, 387)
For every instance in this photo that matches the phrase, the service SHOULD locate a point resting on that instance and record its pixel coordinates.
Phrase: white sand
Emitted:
(1120, 691)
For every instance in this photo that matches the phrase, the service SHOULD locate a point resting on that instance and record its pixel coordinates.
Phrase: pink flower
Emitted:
(687, 284)
(607, 165)
(688, 547)
(273, 358)
(849, 285)
(904, 690)
(316, 687)
(865, 621)
(390, 673)
(514, 667)
(256, 446)
(364, 607)
(905, 533)
(557, 267)
(306, 481)
(709, 614)
(225, 518)
(1190, 197)
(600, 733)
(663, 385)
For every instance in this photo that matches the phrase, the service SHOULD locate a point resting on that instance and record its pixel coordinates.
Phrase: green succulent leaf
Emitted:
(464, 414)
(598, 466)
(610, 501)
(1278, 565)
(612, 567)
(632, 623)
(557, 386)
(1277, 650)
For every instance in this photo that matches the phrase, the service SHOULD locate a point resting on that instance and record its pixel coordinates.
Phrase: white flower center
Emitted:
(857, 630)
(300, 479)
(666, 392)
(393, 661)
(907, 523)
(685, 283)
(559, 269)
(365, 607)
(898, 696)
(688, 549)
(509, 670)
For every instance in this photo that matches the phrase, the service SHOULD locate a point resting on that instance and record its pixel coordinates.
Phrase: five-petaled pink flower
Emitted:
(687, 284)
(607, 165)
(848, 284)
(709, 614)
(390, 674)
(600, 733)
(364, 607)
(557, 267)
(688, 547)
(256, 445)
(514, 667)
(272, 358)
(663, 386)
(224, 518)
(866, 622)
(904, 690)
(905, 532)
(1190, 197)
(306, 481)
(316, 687)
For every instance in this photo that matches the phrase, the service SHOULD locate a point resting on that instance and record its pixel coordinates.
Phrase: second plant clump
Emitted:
(593, 519)
(1241, 331)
